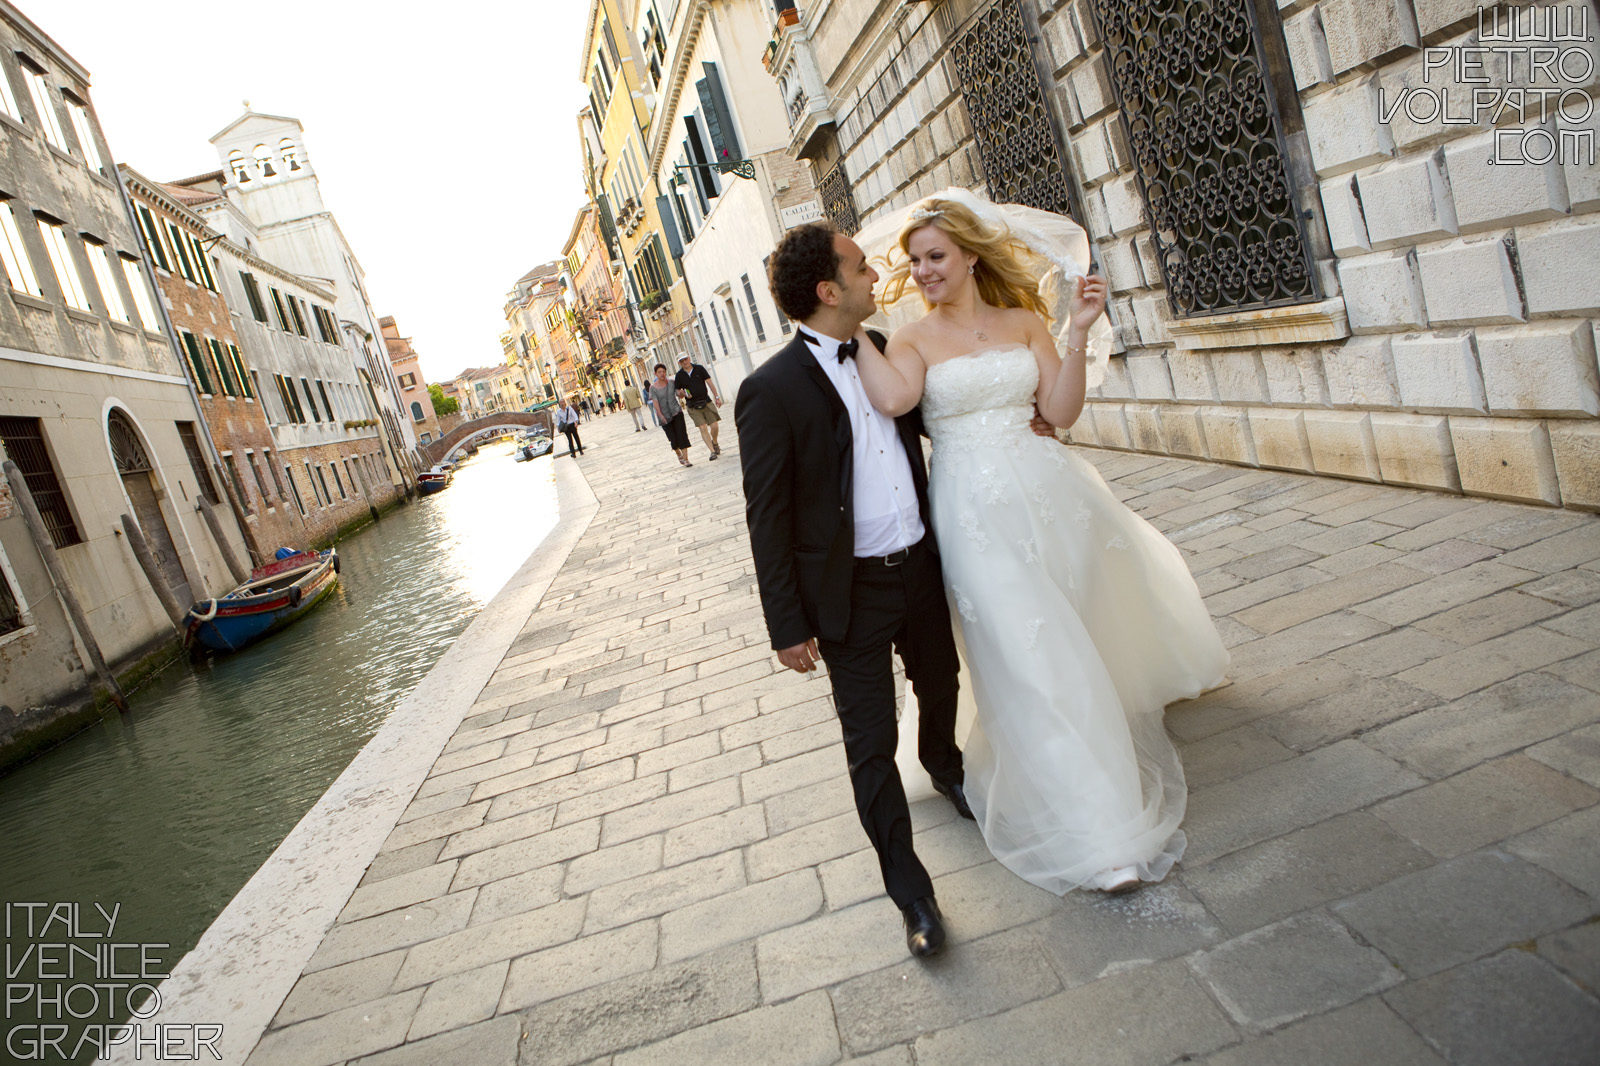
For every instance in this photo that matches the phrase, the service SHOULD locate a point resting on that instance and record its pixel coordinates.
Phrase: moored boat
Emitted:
(275, 595)
(435, 480)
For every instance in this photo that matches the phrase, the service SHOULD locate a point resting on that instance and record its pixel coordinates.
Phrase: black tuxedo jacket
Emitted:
(794, 444)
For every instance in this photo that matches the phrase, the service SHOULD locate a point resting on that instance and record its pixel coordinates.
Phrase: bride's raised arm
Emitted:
(1063, 374)
(893, 380)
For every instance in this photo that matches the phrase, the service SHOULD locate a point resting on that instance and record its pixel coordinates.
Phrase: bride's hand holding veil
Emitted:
(1088, 303)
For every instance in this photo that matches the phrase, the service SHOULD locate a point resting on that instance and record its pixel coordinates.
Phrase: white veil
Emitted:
(1058, 241)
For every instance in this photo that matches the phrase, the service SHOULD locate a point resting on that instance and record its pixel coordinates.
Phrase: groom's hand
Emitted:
(802, 658)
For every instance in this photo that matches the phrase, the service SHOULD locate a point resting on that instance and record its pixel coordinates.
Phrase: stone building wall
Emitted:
(236, 422)
(1461, 296)
(902, 129)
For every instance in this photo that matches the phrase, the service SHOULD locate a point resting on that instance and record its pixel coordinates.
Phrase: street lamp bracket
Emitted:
(743, 168)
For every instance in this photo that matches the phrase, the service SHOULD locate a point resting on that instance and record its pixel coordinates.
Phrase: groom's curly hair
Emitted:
(804, 259)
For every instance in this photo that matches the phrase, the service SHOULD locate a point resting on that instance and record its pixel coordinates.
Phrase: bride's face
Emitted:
(938, 265)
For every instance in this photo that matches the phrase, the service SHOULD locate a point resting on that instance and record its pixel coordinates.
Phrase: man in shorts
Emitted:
(700, 399)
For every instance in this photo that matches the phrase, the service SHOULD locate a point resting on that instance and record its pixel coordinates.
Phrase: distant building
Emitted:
(598, 299)
(546, 362)
(272, 205)
(178, 244)
(322, 468)
(720, 107)
(95, 409)
(417, 404)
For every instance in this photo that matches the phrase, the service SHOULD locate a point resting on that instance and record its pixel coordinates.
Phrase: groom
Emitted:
(836, 499)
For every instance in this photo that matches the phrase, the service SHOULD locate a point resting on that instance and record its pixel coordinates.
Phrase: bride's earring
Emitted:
(970, 267)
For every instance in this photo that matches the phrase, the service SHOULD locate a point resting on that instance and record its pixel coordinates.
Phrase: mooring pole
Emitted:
(58, 577)
(240, 574)
(152, 573)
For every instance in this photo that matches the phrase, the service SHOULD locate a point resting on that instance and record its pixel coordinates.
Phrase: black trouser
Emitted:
(895, 608)
(574, 445)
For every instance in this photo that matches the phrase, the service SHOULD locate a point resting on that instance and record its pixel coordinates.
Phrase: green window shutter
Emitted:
(669, 222)
(197, 362)
(718, 115)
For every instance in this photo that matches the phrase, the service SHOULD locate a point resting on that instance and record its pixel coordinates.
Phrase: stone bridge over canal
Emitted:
(478, 428)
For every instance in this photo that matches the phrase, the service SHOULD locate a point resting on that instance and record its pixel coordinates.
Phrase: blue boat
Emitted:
(275, 595)
(435, 480)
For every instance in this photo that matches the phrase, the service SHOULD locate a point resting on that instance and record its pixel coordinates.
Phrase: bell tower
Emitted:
(266, 154)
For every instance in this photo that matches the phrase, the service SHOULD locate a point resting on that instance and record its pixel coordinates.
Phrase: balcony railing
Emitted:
(791, 60)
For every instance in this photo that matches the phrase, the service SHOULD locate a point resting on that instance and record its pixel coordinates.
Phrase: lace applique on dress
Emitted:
(969, 522)
(1082, 515)
(963, 605)
(1030, 551)
(994, 486)
(1041, 504)
(1118, 542)
(1033, 633)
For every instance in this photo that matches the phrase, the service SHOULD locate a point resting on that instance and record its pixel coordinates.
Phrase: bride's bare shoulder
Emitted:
(912, 336)
(1021, 318)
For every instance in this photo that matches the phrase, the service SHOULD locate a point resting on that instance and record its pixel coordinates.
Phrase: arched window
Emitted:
(416, 411)
(264, 161)
(289, 154)
(239, 166)
(126, 448)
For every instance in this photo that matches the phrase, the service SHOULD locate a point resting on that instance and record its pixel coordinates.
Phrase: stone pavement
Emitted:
(639, 847)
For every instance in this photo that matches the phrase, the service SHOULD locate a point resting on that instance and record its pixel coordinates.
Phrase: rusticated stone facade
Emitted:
(1444, 335)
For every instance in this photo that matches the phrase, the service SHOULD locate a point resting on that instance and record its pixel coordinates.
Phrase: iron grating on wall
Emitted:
(1197, 104)
(995, 70)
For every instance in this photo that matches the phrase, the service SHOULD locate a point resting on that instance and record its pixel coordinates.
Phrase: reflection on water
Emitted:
(169, 810)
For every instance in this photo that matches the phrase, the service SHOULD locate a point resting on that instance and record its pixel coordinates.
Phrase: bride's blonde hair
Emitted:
(1007, 272)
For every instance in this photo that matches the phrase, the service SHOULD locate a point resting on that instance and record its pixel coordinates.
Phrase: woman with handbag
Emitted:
(664, 401)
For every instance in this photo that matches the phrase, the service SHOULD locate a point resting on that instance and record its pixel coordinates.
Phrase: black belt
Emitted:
(894, 558)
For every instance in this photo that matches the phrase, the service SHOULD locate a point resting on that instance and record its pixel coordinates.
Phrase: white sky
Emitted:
(446, 141)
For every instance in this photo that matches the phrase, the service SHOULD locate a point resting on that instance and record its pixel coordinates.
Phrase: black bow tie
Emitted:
(847, 349)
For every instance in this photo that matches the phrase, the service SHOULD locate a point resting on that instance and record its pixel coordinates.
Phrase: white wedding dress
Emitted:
(1079, 623)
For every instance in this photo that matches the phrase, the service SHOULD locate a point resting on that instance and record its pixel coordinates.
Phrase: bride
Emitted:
(1079, 621)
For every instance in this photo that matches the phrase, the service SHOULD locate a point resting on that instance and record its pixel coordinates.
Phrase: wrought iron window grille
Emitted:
(1196, 101)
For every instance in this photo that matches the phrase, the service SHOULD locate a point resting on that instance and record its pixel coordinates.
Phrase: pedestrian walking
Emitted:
(669, 413)
(635, 404)
(701, 397)
(567, 422)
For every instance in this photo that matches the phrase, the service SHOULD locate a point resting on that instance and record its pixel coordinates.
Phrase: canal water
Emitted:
(167, 811)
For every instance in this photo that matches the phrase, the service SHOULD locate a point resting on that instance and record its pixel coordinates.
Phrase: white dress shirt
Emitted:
(886, 514)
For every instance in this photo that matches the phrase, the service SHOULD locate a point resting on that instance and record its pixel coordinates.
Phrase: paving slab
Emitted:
(620, 835)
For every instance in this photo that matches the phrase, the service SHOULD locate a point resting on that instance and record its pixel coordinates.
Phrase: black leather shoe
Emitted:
(957, 797)
(924, 930)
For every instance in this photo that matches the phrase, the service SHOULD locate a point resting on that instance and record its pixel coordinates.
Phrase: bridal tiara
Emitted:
(925, 214)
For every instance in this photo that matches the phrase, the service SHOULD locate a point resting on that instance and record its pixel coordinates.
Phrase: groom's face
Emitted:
(855, 280)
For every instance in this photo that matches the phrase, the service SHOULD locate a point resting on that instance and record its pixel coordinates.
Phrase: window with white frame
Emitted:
(755, 313)
(152, 238)
(59, 250)
(39, 90)
(19, 268)
(11, 615)
(78, 113)
(8, 99)
(106, 278)
(185, 264)
(141, 294)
